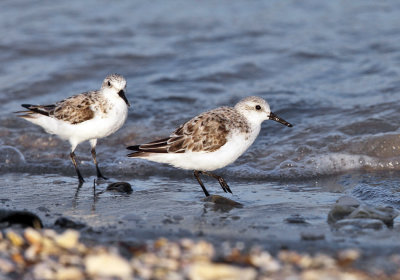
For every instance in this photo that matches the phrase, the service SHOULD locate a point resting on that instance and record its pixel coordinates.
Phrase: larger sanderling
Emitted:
(86, 116)
(211, 140)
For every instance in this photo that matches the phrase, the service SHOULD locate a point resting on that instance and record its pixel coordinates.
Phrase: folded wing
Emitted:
(73, 110)
(204, 133)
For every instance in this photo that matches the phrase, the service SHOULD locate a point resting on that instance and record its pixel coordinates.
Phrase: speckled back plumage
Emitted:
(206, 132)
(74, 110)
(80, 108)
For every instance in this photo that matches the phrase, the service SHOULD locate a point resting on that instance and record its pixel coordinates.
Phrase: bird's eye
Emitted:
(109, 84)
(258, 107)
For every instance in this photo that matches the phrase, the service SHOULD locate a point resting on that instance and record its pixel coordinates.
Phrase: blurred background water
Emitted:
(330, 68)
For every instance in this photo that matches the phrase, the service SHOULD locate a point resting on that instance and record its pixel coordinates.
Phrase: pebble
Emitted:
(296, 219)
(44, 270)
(211, 271)
(46, 254)
(122, 187)
(348, 256)
(22, 218)
(264, 261)
(64, 222)
(312, 236)
(108, 265)
(6, 266)
(349, 208)
(68, 240)
(32, 236)
(15, 238)
(359, 224)
(69, 273)
(32, 252)
(223, 201)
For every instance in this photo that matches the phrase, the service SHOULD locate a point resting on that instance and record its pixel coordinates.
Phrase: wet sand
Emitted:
(177, 209)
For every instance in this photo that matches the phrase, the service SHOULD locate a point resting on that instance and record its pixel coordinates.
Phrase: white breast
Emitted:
(100, 126)
(236, 145)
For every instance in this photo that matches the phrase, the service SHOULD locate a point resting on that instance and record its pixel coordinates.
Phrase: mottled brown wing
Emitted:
(206, 132)
(75, 109)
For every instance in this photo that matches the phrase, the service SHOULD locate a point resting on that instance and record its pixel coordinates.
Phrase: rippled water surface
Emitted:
(330, 68)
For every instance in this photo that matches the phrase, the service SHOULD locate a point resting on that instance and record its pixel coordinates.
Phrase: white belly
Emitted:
(207, 161)
(98, 127)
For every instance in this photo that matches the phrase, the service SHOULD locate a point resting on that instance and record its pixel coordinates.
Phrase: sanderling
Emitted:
(86, 116)
(211, 140)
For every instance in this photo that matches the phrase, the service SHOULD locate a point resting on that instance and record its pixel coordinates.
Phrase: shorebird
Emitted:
(211, 140)
(83, 117)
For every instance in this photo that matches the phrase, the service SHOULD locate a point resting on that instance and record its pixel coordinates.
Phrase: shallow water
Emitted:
(331, 69)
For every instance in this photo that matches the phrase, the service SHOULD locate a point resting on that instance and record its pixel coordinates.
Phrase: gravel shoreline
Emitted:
(46, 254)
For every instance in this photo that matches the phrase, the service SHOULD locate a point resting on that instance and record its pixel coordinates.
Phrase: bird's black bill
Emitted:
(121, 94)
(274, 117)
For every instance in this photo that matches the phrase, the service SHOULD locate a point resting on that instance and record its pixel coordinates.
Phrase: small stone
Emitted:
(22, 218)
(339, 212)
(323, 261)
(122, 187)
(264, 261)
(187, 243)
(210, 271)
(15, 238)
(348, 201)
(32, 252)
(6, 266)
(33, 236)
(43, 271)
(312, 236)
(108, 265)
(305, 261)
(68, 240)
(289, 257)
(49, 247)
(349, 208)
(296, 219)
(64, 222)
(317, 274)
(174, 251)
(4, 247)
(385, 214)
(18, 258)
(359, 224)
(70, 260)
(43, 209)
(168, 264)
(220, 200)
(161, 242)
(142, 270)
(49, 233)
(69, 273)
(202, 250)
(347, 257)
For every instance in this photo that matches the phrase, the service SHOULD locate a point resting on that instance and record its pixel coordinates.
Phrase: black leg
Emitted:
(99, 175)
(221, 181)
(72, 156)
(196, 175)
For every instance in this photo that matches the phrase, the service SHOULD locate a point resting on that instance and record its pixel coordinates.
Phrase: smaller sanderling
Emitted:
(86, 116)
(211, 140)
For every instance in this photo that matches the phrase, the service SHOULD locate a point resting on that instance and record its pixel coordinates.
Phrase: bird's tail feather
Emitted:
(40, 109)
(136, 149)
(25, 114)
